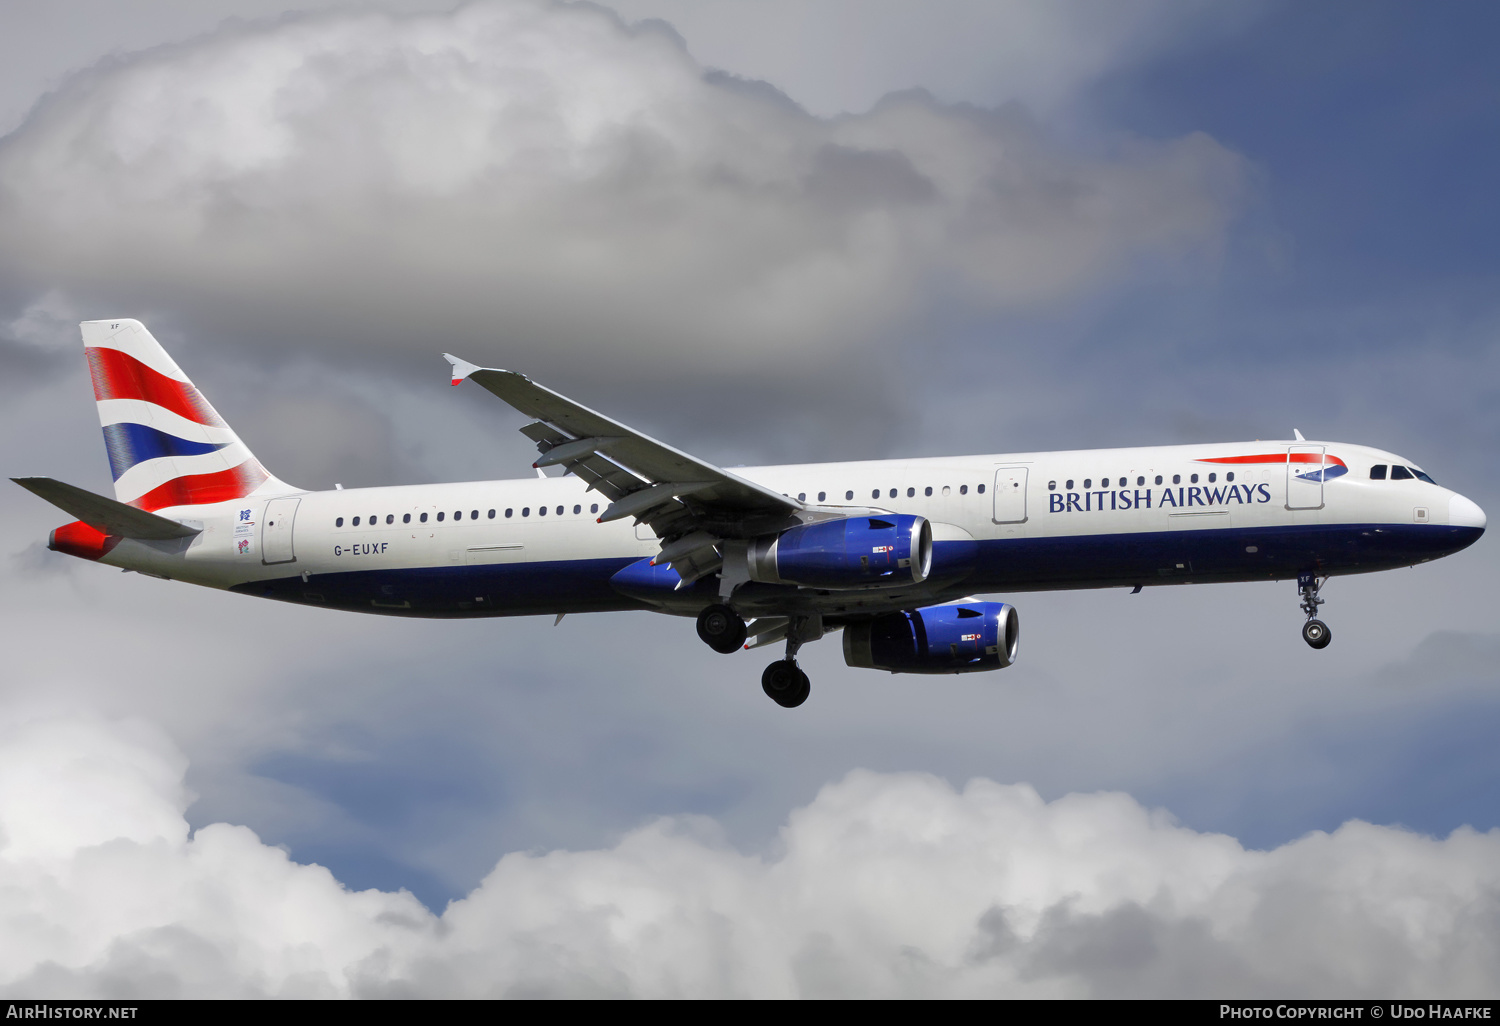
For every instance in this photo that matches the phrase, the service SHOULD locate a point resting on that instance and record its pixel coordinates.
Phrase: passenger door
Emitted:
(276, 531)
(1304, 477)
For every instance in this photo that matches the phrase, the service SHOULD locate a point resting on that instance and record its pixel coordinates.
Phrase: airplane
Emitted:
(891, 552)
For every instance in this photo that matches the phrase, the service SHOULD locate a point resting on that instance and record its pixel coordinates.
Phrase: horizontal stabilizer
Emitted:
(103, 514)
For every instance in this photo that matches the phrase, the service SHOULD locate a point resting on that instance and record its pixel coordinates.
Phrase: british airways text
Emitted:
(1146, 498)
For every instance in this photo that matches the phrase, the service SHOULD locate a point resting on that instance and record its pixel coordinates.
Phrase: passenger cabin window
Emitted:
(1229, 476)
(1069, 484)
(911, 493)
(964, 489)
(981, 489)
(1212, 478)
(1177, 479)
(509, 511)
(848, 496)
(423, 518)
(355, 522)
(1377, 473)
(577, 510)
(492, 514)
(1400, 473)
(801, 496)
(822, 496)
(1158, 479)
(1193, 479)
(406, 518)
(1051, 486)
(474, 514)
(541, 511)
(339, 522)
(875, 494)
(594, 508)
(559, 511)
(440, 517)
(525, 511)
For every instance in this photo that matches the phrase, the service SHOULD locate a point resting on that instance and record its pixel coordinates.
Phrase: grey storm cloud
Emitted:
(552, 175)
(884, 885)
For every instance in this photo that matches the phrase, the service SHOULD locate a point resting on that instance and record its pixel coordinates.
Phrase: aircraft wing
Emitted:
(679, 495)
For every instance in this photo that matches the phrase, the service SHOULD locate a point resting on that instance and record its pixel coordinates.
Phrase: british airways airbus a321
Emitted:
(890, 552)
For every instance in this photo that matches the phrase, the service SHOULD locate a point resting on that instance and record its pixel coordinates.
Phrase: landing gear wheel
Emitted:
(786, 684)
(1316, 633)
(721, 629)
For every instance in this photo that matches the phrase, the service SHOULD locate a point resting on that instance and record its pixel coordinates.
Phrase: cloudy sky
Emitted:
(764, 232)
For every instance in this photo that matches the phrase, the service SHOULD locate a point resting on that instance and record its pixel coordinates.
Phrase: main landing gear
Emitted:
(721, 629)
(1315, 632)
(785, 683)
(784, 680)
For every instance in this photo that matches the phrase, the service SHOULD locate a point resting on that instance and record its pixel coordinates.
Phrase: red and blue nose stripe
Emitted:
(1329, 466)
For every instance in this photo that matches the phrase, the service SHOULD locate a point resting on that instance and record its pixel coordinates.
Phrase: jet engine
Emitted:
(855, 552)
(958, 638)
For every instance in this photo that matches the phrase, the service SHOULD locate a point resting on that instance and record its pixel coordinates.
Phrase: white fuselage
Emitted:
(1088, 518)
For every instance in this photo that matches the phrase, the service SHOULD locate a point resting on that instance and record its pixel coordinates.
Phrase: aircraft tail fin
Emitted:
(167, 445)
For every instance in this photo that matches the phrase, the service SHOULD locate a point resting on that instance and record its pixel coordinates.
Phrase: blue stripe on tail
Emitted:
(129, 444)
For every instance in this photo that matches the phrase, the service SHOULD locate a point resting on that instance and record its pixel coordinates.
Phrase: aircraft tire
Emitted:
(721, 629)
(786, 684)
(1316, 634)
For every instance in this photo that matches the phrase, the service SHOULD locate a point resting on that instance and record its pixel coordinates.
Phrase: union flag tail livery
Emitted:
(890, 553)
(167, 445)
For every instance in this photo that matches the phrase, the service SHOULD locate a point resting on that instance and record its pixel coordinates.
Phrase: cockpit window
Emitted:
(1422, 477)
(1400, 473)
(1377, 472)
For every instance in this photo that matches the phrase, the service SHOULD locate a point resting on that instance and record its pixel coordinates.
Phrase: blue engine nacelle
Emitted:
(855, 552)
(960, 638)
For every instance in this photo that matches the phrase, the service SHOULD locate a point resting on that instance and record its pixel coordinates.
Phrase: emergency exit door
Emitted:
(1010, 495)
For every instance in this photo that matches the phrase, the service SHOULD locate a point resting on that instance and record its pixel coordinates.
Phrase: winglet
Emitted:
(461, 368)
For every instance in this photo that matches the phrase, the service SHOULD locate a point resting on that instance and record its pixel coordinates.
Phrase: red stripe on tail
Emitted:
(119, 375)
(201, 489)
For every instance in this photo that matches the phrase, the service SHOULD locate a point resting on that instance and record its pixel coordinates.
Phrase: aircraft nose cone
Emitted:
(1464, 513)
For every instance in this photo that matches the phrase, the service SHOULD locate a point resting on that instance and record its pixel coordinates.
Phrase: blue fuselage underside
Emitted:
(1001, 566)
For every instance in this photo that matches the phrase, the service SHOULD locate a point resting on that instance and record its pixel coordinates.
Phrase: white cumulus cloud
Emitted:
(886, 884)
(525, 173)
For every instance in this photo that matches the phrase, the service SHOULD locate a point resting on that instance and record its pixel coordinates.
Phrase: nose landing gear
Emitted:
(1315, 632)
